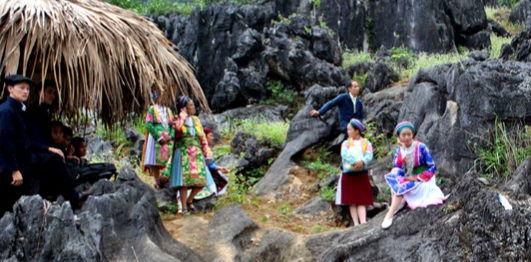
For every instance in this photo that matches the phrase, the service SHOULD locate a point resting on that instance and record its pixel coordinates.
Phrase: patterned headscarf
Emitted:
(357, 124)
(403, 125)
(181, 102)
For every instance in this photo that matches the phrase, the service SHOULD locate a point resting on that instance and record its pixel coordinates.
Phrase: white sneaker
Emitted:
(387, 223)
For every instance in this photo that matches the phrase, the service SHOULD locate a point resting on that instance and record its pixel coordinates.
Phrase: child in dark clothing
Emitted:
(57, 134)
(78, 149)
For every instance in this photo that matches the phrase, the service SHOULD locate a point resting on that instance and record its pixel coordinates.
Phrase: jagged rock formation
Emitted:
(453, 106)
(236, 50)
(472, 225)
(120, 222)
(521, 13)
(519, 49)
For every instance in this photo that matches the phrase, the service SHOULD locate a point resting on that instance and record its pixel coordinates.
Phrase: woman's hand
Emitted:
(223, 170)
(358, 165)
(57, 152)
(402, 145)
(75, 158)
(164, 140)
(412, 178)
(183, 114)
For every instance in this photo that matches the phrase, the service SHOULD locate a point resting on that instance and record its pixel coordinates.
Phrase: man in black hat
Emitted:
(20, 156)
(13, 139)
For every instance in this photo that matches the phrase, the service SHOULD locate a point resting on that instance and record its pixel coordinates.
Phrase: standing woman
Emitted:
(354, 187)
(412, 179)
(189, 165)
(156, 153)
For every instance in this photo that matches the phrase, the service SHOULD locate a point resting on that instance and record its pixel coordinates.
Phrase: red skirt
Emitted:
(356, 189)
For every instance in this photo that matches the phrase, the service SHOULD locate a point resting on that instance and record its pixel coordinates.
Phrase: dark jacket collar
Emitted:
(16, 104)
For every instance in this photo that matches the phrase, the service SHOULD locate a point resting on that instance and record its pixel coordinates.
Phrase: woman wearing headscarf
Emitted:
(158, 146)
(354, 186)
(412, 179)
(189, 166)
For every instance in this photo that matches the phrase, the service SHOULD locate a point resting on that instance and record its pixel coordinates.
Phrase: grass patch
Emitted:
(501, 15)
(238, 191)
(350, 58)
(275, 132)
(405, 62)
(503, 151)
(490, 11)
(221, 150)
(162, 7)
(496, 45)
(424, 60)
(320, 161)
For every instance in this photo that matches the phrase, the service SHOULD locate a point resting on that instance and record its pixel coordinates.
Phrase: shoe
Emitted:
(387, 223)
(191, 207)
(83, 196)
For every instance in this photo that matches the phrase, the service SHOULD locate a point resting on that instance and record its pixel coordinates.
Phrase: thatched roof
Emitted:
(101, 56)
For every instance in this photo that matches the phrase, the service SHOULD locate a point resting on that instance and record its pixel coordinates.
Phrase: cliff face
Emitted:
(236, 50)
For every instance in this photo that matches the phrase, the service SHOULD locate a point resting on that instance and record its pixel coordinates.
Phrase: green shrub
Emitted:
(508, 3)
(503, 151)
(282, 20)
(381, 145)
(280, 94)
(328, 193)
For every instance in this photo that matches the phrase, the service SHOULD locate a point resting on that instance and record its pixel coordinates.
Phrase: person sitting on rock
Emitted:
(189, 167)
(77, 150)
(412, 179)
(158, 146)
(21, 156)
(57, 134)
(349, 105)
(218, 172)
(39, 115)
(354, 186)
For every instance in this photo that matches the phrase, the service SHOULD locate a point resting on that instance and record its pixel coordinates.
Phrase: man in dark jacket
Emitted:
(349, 105)
(14, 143)
(20, 156)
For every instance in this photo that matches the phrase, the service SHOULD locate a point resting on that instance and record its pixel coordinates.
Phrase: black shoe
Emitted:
(191, 207)
(83, 196)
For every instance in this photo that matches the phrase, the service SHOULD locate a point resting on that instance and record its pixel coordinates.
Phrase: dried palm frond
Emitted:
(101, 57)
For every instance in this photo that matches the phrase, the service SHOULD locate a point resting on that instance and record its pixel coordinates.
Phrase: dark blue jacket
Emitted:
(14, 143)
(346, 109)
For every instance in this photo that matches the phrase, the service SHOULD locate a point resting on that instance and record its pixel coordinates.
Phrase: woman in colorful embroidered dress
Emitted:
(354, 187)
(158, 146)
(189, 165)
(412, 179)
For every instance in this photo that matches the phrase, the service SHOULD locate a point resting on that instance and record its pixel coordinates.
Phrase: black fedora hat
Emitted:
(15, 79)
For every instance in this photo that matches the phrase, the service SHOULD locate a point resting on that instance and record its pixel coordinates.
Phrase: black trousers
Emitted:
(51, 171)
(9, 194)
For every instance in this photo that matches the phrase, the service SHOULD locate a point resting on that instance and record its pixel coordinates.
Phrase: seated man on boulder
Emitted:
(349, 106)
